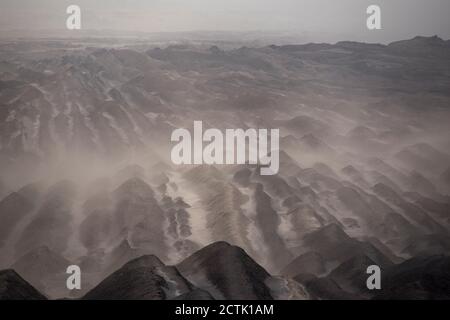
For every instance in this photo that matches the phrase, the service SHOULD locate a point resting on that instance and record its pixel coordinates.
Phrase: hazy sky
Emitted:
(330, 19)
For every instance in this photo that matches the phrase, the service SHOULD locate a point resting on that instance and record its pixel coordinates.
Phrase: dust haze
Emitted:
(86, 176)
